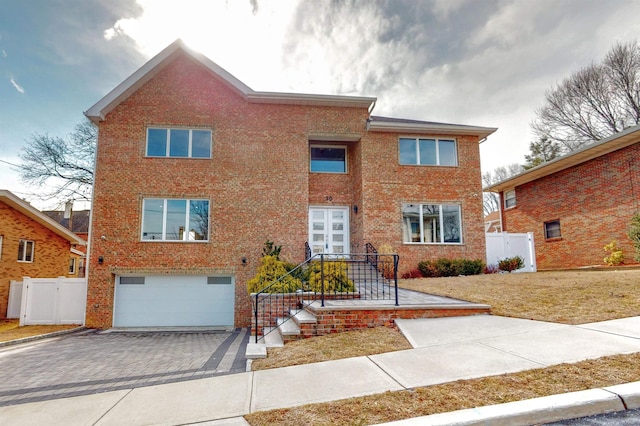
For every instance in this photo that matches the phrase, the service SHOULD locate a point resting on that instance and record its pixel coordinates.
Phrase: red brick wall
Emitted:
(594, 202)
(50, 258)
(258, 184)
(257, 181)
(387, 184)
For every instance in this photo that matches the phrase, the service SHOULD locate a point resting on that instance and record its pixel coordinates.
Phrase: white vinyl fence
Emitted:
(48, 300)
(501, 245)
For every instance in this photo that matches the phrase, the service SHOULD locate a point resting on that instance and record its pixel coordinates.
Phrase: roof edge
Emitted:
(28, 210)
(625, 138)
(100, 109)
(311, 99)
(440, 128)
(143, 74)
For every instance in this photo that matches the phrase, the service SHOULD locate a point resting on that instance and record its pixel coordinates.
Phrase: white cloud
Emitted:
(468, 62)
(16, 85)
(244, 37)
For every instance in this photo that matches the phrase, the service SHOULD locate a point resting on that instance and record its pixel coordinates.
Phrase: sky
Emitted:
(476, 62)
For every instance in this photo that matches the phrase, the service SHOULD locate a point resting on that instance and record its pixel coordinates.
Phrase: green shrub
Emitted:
(335, 277)
(615, 257)
(511, 264)
(270, 270)
(634, 234)
(444, 267)
(471, 267)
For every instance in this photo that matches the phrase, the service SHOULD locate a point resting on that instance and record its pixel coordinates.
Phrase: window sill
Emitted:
(550, 240)
(175, 241)
(455, 166)
(411, 243)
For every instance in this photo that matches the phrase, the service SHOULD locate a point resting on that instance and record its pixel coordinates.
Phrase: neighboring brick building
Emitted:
(195, 171)
(79, 221)
(31, 245)
(578, 203)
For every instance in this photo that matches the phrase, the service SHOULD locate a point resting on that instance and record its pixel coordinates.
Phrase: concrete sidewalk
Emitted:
(445, 350)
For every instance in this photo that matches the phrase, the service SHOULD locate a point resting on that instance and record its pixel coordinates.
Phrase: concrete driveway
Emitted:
(94, 361)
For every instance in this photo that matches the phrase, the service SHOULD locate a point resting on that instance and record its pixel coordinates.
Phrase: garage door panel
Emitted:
(174, 301)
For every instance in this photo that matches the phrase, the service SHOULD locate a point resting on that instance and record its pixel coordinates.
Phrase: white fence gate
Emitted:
(501, 245)
(48, 300)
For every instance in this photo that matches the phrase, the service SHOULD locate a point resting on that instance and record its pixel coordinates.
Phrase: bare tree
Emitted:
(491, 200)
(64, 165)
(541, 151)
(593, 103)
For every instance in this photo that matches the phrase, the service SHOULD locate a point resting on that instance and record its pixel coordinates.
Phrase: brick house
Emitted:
(195, 171)
(31, 245)
(78, 223)
(578, 203)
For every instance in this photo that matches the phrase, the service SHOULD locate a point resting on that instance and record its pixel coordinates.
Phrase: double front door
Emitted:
(329, 230)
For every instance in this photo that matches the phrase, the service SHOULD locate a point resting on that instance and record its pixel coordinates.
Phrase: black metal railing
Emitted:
(370, 249)
(307, 251)
(369, 276)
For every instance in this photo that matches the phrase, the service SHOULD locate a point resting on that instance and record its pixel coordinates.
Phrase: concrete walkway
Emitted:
(445, 350)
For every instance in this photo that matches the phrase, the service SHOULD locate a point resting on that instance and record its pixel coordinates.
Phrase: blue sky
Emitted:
(479, 62)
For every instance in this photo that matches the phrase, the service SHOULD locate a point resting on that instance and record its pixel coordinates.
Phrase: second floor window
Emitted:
(429, 152)
(328, 159)
(25, 250)
(179, 143)
(175, 220)
(509, 198)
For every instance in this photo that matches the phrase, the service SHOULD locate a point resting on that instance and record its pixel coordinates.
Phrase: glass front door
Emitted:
(329, 230)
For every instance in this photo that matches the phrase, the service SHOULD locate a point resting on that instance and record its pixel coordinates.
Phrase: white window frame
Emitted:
(510, 199)
(168, 143)
(417, 151)
(342, 147)
(441, 223)
(22, 255)
(164, 221)
(72, 265)
(1, 237)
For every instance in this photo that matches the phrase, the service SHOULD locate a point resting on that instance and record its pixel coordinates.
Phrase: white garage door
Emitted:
(173, 301)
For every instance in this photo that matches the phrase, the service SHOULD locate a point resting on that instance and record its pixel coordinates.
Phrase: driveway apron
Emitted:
(97, 361)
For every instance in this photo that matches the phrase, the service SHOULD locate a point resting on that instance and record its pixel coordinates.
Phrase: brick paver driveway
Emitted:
(97, 361)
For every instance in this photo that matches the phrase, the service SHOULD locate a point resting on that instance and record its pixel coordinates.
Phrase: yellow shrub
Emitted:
(616, 257)
(270, 270)
(335, 277)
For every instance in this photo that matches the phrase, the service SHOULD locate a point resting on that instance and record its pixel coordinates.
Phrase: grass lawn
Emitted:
(10, 330)
(570, 297)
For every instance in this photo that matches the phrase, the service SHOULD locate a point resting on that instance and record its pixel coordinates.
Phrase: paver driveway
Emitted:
(96, 361)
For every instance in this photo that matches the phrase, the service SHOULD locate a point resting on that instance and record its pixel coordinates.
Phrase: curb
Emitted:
(545, 409)
(41, 336)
